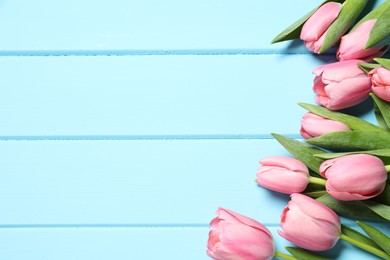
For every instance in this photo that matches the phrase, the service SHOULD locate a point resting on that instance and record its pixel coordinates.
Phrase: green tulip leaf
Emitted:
(379, 153)
(379, 118)
(301, 151)
(384, 62)
(352, 209)
(377, 236)
(380, 33)
(353, 140)
(351, 121)
(367, 67)
(350, 11)
(383, 111)
(315, 194)
(294, 30)
(374, 14)
(384, 197)
(379, 208)
(302, 254)
(358, 236)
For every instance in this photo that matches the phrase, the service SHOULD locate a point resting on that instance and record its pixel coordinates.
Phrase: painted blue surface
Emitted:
(125, 124)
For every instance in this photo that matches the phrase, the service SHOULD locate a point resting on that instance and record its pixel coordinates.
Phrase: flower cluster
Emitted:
(340, 168)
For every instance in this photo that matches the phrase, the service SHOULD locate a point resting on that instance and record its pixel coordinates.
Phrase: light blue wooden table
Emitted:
(125, 124)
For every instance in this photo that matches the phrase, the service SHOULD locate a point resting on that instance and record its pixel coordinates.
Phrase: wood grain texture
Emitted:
(125, 124)
(118, 25)
(154, 95)
(125, 243)
(140, 182)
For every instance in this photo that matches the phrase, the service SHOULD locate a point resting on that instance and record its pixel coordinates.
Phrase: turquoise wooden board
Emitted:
(93, 243)
(154, 95)
(132, 182)
(89, 26)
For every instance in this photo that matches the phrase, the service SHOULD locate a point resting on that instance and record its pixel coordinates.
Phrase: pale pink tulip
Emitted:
(380, 80)
(314, 30)
(352, 45)
(233, 236)
(313, 125)
(283, 174)
(340, 85)
(354, 177)
(309, 224)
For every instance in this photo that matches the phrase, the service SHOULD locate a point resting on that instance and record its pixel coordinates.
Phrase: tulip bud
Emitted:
(314, 30)
(340, 85)
(352, 45)
(283, 174)
(380, 80)
(354, 177)
(309, 224)
(234, 236)
(313, 125)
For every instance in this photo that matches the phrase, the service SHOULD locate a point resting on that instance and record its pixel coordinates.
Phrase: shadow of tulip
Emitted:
(361, 109)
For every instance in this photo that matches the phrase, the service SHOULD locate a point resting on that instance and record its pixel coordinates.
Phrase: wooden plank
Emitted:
(133, 182)
(154, 95)
(91, 26)
(126, 243)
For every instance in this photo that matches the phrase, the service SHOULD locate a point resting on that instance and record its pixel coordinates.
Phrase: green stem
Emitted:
(284, 256)
(366, 247)
(316, 180)
(387, 167)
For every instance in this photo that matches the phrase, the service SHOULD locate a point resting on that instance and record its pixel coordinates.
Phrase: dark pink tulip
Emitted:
(283, 174)
(314, 30)
(354, 177)
(309, 224)
(237, 237)
(313, 125)
(380, 80)
(341, 84)
(352, 45)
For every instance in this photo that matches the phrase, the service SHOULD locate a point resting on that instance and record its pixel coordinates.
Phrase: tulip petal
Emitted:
(339, 71)
(347, 93)
(282, 180)
(354, 177)
(352, 45)
(315, 234)
(320, 21)
(284, 162)
(314, 208)
(314, 125)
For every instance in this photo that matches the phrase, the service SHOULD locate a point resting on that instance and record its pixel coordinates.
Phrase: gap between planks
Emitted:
(141, 137)
(156, 52)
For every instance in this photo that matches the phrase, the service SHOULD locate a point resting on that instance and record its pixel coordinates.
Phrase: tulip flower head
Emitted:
(354, 177)
(340, 85)
(314, 30)
(309, 224)
(353, 44)
(313, 125)
(233, 236)
(283, 174)
(380, 79)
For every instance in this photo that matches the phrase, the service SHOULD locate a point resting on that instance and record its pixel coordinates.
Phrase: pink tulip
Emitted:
(354, 177)
(313, 125)
(352, 45)
(236, 237)
(314, 30)
(309, 224)
(283, 174)
(380, 80)
(340, 85)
